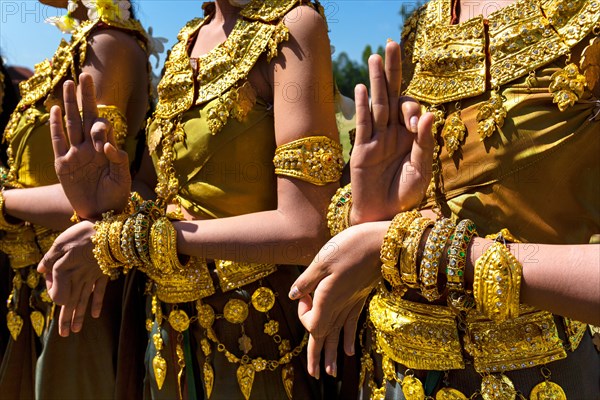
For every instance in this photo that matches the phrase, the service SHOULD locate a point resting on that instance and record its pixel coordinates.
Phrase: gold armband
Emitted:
(118, 121)
(391, 246)
(338, 212)
(314, 159)
(497, 283)
(4, 224)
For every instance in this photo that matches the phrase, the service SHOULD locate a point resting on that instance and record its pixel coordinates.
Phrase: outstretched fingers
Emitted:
(57, 133)
(379, 96)
(364, 124)
(89, 107)
(421, 155)
(393, 77)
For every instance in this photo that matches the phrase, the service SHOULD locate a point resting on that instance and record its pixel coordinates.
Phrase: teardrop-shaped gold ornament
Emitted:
(412, 388)
(287, 376)
(33, 278)
(209, 378)
(547, 391)
(37, 321)
(245, 378)
(14, 322)
(491, 114)
(454, 132)
(449, 394)
(497, 387)
(159, 366)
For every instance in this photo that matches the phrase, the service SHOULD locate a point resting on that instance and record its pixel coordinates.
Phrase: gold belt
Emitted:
(523, 342)
(418, 336)
(422, 336)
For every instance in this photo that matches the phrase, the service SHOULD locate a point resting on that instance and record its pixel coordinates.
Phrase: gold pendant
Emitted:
(33, 278)
(45, 296)
(245, 343)
(449, 394)
(547, 391)
(17, 281)
(179, 320)
(263, 299)
(490, 114)
(209, 378)
(37, 321)
(287, 376)
(206, 315)
(271, 327)
(14, 322)
(412, 388)
(453, 132)
(567, 86)
(159, 366)
(245, 378)
(235, 311)
(497, 387)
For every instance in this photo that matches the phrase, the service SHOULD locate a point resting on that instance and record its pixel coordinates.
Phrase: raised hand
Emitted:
(391, 162)
(341, 276)
(73, 276)
(92, 171)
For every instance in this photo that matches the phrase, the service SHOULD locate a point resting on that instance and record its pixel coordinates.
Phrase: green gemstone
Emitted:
(460, 273)
(462, 254)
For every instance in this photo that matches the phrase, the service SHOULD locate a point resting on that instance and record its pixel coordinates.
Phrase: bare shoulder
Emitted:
(119, 46)
(306, 25)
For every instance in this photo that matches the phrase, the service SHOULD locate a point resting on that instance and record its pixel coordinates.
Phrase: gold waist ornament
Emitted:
(419, 336)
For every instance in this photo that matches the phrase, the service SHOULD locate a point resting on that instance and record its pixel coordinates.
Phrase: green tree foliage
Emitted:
(348, 73)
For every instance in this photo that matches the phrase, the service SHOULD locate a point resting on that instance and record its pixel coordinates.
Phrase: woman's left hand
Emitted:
(73, 276)
(342, 275)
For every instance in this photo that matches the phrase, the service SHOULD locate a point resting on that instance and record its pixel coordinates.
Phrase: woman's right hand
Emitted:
(391, 161)
(92, 171)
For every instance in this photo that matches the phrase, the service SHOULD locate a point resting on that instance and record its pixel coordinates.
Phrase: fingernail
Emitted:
(318, 374)
(350, 350)
(294, 294)
(414, 121)
(334, 369)
(76, 327)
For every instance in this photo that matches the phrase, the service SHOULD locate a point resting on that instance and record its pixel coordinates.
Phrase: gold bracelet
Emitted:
(128, 243)
(114, 238)
(4, 224)
(338, 212)
(391, 246)
(497, 283)
(148, 212)
(410, 247)
(314, 159)
(457, 254)
(432, 255)
(108, 265)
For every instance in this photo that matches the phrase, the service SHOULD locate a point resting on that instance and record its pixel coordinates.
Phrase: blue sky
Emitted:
(25, 39)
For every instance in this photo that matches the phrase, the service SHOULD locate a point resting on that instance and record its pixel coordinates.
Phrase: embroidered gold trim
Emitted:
(233, 275)
(118, 121)
(523, 36)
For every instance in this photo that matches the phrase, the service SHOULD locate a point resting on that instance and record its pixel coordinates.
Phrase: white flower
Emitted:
(71, 7)
(108, 9)
(156, 45)
(65, 23)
